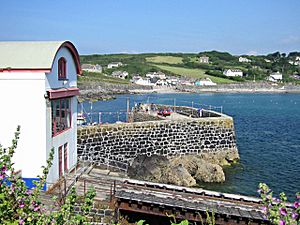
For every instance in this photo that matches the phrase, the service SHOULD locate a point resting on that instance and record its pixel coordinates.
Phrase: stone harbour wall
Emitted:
(124, 142)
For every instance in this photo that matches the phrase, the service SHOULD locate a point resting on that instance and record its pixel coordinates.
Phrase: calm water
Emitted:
(267, 130)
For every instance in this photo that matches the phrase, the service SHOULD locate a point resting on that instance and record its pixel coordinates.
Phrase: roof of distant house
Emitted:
(33, 54)
(234, 70)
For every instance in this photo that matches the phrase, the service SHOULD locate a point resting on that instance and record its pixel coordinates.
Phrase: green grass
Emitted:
(100, 77)
(165, 59)
(193, 73)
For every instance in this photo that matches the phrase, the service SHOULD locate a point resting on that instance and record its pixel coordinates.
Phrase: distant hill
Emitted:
(185, 64)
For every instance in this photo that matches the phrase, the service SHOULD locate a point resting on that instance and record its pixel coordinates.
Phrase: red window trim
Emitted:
(66, 157)
(60, 169)
(62, 69)
(63, 93)
(54, 121)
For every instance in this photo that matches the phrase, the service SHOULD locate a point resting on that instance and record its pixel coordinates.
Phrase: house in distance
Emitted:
(38, 89)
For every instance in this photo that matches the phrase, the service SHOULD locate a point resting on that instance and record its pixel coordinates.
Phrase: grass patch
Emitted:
(100, 77)
(193, 73)
(165, 59)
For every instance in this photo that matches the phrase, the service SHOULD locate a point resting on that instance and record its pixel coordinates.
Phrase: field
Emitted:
(165, 59)
(99, 77)
(193, 73)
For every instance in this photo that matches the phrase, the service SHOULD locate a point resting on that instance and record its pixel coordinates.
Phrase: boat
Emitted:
(81, 120)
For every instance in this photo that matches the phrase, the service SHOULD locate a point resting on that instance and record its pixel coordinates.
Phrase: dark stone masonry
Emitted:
(124, 142)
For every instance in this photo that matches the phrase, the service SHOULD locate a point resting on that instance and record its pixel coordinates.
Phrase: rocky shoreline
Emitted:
(107, 91)
(187, 170)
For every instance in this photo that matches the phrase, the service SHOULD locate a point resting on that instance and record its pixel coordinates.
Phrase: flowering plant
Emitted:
(20, 205)
(277, 210)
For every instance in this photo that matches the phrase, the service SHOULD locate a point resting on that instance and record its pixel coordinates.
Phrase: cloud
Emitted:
(291, 40)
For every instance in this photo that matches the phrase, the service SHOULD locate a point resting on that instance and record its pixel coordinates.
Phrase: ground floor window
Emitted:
(63, 159)
(66, 157)
(61, 115)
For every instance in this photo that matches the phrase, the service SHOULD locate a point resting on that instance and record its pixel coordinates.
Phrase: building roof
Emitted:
(24, 55)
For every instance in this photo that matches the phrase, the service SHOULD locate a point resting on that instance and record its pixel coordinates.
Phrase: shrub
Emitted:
(19, 205)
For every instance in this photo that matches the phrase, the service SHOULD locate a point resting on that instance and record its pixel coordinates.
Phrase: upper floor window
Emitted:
(62, 68)
(61, 115)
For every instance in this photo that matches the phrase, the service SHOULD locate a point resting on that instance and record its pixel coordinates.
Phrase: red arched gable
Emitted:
(73, 50)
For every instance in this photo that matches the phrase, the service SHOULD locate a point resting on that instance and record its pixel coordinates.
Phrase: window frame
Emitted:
(65, 148)
(62, 69)
(67, 111)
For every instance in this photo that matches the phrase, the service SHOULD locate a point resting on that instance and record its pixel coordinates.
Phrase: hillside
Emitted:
(188, 65)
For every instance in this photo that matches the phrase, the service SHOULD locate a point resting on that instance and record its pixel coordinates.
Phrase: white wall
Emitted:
(52, 81)
(22, 103)
(69, 136)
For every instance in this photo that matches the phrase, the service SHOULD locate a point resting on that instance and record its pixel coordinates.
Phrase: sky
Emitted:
(137, 26)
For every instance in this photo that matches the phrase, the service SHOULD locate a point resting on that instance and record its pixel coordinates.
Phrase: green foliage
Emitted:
(277, 210)
(141, 64)
(193, 73)
(100, 77)
(19, 205)
(165, 59)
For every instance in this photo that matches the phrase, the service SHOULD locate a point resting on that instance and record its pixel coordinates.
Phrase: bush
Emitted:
(19, 205)
(277, 209)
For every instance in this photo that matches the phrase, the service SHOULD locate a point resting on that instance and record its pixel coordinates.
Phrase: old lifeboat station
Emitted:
(38, 89)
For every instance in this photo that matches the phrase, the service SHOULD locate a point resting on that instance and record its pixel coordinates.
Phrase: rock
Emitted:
(184, 170)
(178, 175)
(147, 168)
(208, 172)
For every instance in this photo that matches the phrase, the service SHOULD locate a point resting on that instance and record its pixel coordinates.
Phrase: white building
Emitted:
(243, 59)
(159, 75)
(275, 77)
(38, 88)
(203, 59)
(141, 81)
(233, 73)
(92, 68)
(205, 82)
(120, 74)
(114, 65)
(172, 81)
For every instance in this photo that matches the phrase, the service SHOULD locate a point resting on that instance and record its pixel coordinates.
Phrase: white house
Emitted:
(205, 82)
(243, 59)
(233, 73)
(275, 77)
(203, 59)
(120, 74)
(159, 75)
(114, 65)
(92, 68)
(172, 81)
(141, 81)
(38, 89)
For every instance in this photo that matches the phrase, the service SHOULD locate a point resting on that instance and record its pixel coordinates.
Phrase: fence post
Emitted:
(114, 191)
(100, 119)
(174, 104)
(128, 109)
(192, 107)
(65, 186)
(84, 187)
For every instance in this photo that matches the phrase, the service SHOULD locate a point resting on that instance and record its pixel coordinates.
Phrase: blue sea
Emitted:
(267, 131)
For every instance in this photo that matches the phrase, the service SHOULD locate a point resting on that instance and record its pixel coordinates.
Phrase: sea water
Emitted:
(267, 131)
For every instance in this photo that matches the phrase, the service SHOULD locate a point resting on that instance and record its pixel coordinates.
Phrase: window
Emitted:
(61, 115)
(66, 157)
(62, 160)
(60, 171)
(62, 69)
